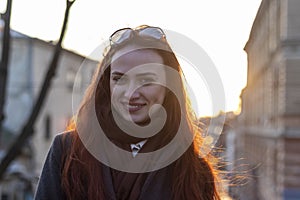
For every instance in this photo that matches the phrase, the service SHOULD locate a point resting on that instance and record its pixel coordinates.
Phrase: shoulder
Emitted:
(61, 144)
(49, 184)
(66, 135)
(63, 139)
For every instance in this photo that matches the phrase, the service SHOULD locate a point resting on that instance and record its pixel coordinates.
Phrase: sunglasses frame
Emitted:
(137, 30)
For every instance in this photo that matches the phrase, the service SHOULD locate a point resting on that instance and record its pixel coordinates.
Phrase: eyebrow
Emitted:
(116, 73)
(147, 74)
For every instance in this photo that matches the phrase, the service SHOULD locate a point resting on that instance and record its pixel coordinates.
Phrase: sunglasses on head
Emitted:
(124, 34)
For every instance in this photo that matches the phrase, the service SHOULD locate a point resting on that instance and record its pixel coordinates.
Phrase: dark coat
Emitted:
(156, 186)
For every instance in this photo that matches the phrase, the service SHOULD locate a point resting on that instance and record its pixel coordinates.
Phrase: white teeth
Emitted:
(133, 106)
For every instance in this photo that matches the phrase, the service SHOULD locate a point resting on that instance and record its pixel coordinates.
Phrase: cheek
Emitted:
(114, 94)
(115, 90)
(162, 95)
(156, 94)
(111, 87)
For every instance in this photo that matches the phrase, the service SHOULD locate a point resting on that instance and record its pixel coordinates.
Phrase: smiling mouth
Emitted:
(133, 107)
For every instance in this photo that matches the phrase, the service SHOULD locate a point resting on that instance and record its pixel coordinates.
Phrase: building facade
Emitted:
(268, 128)
(28, 65)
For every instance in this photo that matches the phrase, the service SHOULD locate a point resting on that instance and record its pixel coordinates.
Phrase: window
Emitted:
(48, 123)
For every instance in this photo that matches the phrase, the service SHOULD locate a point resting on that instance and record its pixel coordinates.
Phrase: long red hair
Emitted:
(194, 175)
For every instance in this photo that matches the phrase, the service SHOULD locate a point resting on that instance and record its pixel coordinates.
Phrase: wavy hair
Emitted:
(194, 175)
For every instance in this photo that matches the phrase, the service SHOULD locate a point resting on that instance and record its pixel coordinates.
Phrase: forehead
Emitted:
(140, 59)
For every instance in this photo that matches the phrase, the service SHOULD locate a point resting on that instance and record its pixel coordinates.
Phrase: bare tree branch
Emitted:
(4, 59)
(27, 130)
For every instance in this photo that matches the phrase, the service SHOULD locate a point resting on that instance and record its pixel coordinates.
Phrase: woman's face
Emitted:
(135, 84)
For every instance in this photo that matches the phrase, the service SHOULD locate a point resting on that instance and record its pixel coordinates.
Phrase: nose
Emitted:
(132, 91)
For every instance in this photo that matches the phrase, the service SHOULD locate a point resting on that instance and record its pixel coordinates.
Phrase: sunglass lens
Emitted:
(152, 32)
(121, 36)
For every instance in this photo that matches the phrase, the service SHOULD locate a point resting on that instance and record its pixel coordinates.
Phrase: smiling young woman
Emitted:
(133, 86)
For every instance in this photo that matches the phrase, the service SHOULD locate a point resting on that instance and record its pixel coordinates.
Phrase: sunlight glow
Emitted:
(221, 28)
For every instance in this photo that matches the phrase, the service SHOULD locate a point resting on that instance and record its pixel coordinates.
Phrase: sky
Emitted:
(221, 28)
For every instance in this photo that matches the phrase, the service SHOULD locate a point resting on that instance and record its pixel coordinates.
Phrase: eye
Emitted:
(146, 81)
(119, 80)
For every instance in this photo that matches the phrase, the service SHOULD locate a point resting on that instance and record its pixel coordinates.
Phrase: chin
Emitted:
(142, 122)
(139, 120)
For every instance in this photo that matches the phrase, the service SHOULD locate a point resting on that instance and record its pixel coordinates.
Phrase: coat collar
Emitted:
(151, 182)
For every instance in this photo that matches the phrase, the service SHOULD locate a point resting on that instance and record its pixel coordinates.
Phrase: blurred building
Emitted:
(29, 61)
(268, 133)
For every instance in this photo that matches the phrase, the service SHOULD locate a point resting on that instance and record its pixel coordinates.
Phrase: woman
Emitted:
(138, 99)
